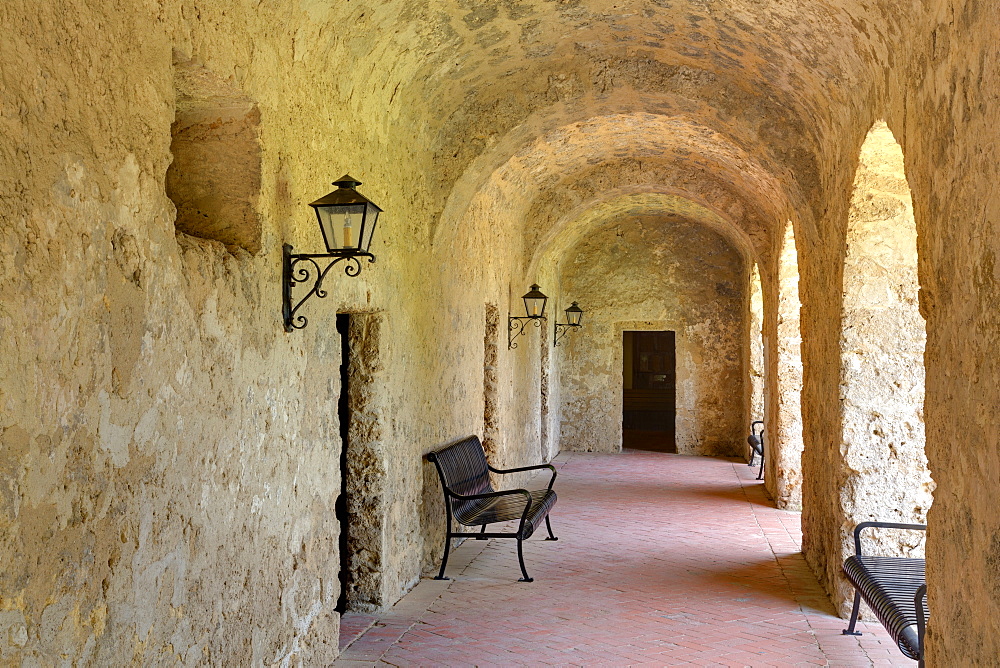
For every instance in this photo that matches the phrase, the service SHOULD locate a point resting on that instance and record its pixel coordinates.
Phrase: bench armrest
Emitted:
(529, 468)
(918, 603)
(881, 525)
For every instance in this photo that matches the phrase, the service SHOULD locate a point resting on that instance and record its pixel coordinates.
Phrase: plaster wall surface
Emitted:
(169, 455)
(650, 273)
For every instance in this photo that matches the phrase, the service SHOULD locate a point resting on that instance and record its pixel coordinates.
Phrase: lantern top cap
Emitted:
(575, 307)
(347, 181)
(534, 293)
(345, 194)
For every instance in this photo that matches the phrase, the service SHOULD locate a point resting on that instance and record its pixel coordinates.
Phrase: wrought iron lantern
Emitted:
(347, 221)
(534, 308)
(574, 314)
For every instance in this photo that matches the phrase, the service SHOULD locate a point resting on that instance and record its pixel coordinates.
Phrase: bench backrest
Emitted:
(463, 469)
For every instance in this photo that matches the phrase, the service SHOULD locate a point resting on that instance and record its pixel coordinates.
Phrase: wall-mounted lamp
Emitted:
(534, 307)
(347, 220)
(573, 316)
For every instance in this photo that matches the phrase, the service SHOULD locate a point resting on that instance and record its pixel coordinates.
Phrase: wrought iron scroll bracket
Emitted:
(307, 268)
(562, 328)
(516, 325)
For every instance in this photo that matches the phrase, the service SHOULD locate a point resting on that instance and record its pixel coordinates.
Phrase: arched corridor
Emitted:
(662, 560)
(768, 210)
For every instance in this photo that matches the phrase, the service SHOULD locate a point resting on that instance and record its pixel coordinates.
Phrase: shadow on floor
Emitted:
(742, 495)
(762, 582)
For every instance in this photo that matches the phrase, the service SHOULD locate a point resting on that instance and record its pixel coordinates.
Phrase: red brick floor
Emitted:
(662, 560)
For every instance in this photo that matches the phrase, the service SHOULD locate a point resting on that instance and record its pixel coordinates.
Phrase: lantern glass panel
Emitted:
(342, 225)
(574, 314)
(368, 229)
(534, 303)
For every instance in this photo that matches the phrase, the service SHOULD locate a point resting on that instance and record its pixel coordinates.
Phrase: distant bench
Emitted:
(469, 498)
(895, 588)
(756, 443)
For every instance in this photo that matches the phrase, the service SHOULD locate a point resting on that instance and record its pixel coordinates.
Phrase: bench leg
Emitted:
(849, 631)
(483, 531)
(520, 559)
(447, 544)
(444, 560)
(548, 526)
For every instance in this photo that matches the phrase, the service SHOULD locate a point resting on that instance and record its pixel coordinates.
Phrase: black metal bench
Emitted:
(470, 499)
(895, 588)
(756, 442)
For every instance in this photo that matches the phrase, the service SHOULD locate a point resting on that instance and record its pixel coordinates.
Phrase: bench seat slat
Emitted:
(888, 585)
(501, 509)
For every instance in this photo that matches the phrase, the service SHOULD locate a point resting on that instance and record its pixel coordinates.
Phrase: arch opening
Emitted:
(883, 336)
(656, 272)
(755, 347)
(784, 421)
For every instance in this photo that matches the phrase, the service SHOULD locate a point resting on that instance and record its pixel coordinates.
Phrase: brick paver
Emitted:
(662, 560)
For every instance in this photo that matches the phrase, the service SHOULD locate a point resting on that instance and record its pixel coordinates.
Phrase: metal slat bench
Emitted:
(756, 443)
(470, 499)
(894, 588)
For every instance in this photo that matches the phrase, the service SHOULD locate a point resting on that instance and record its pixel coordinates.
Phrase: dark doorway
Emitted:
(344, 412)
(649, 404)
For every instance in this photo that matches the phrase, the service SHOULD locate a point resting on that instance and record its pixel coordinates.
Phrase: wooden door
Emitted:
(649, 404)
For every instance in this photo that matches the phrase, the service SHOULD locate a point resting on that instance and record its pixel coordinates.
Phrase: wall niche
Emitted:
(214, 179)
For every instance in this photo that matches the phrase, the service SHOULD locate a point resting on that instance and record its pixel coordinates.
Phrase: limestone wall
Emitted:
(167, 454)
(647, 273)
(170, 456)
(946, 117)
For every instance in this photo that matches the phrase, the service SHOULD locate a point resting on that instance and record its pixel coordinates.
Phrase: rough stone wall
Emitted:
(505, 394)
(821, 290)
(368, 586)
(657, 274)
(945, 114)
(133, 523)
(544, 387)
(214, 175)
(491, 350)
(881, 472)
(169, 458)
